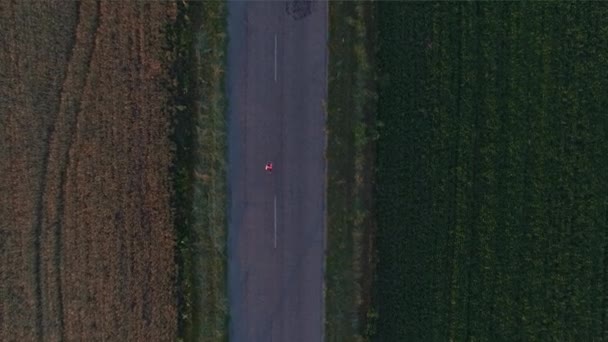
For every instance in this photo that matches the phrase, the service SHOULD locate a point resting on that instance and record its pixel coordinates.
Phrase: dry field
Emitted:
(86, 235)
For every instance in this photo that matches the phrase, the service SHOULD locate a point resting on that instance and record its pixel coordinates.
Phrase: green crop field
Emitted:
(491, 174)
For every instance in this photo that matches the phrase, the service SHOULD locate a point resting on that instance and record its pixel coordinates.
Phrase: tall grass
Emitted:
(210, 171)
(200, 171)
(350, 120)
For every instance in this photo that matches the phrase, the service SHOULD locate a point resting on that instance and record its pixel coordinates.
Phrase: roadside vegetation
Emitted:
(351, 133)
(198, 43)
(491, 186)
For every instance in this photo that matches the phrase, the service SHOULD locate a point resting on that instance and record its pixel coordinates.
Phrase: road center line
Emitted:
(275, 57)
(275, 221)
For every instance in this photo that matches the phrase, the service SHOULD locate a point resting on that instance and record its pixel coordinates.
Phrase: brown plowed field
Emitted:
(86, 236)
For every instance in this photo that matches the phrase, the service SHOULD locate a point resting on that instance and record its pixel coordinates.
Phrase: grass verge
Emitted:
(199, 45)
(351, 136)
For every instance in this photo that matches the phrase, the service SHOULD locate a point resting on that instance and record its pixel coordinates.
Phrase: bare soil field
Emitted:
(87, 242)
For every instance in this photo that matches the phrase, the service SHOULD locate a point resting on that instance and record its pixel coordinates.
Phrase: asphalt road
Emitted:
(277, 84)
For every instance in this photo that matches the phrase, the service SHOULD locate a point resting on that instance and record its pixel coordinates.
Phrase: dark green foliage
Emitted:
(350, 149)
(492, 163)
(180, 47)
(197, 43)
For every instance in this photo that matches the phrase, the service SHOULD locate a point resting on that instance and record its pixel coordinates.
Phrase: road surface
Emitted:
(277, 85)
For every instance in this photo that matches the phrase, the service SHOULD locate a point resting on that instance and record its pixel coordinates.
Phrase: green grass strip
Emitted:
(349, 262)
(210, 189)
(198, 46)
